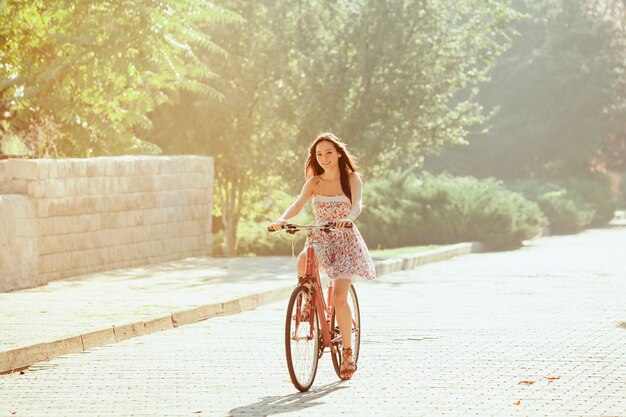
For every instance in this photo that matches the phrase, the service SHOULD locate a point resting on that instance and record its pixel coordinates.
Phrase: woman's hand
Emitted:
(347, 222)
(277, 225)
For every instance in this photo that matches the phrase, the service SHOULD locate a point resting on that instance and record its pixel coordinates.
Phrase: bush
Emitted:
(594, 193)
(254, 239)
(572, 204)
(402, 209)
(252, 235)
(564, 215)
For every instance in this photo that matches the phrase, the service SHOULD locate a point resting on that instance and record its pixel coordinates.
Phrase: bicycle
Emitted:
(307, 337)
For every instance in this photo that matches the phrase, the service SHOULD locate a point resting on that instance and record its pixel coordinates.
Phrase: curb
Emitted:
(19, 359)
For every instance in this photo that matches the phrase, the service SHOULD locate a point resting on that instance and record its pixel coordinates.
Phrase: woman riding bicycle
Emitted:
(335, 186)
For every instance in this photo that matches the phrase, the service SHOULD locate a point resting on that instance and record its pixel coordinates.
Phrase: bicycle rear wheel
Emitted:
(301, 339)
(353, 302)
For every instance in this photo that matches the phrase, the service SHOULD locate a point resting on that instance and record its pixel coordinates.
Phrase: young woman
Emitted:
(335, 187)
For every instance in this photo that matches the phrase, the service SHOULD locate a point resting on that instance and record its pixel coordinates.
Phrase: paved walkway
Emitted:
(535, 332)
(74, 306)
(74, 315)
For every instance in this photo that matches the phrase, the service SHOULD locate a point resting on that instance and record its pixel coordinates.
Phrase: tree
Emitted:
(244, 131)
(358, 67)
(94, 69)
(397, 79)
(561, 90)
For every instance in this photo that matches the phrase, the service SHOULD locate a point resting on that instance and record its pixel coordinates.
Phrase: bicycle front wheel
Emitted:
(301, 339)
(337, 342)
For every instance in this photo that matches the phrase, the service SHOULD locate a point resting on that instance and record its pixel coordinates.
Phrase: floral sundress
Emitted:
(342, 253)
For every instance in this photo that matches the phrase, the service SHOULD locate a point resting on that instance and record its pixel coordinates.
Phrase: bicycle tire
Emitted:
(301, 341)
(355, 310)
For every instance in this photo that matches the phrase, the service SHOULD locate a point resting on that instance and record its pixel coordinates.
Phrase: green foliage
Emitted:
(96, 68)
(253, 237)
(395, 79)
(403, 210)
(564, 213)
(244, 131)
(571, 205)
(12, 145)
(561, 91)
(595, 194)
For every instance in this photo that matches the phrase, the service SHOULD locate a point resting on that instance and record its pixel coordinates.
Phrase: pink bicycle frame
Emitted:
(312, 279)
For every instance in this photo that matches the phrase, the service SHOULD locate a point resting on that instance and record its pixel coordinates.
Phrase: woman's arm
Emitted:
(356, 188)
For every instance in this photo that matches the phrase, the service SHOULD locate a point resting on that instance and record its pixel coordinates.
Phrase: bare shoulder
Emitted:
(355, 178)
(309, 186)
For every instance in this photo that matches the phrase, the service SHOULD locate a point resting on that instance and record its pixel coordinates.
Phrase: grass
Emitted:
(401, 251)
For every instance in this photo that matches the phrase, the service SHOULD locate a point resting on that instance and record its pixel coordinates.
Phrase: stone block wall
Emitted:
(103, 213)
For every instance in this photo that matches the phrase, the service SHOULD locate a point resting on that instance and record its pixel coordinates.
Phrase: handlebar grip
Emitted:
(348, 226)
(269, 229)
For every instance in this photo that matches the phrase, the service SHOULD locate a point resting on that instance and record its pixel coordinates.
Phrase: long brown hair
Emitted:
(346, 162)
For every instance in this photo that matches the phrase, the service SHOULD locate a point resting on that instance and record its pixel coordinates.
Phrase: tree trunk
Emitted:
(231, 193)
(230, 221)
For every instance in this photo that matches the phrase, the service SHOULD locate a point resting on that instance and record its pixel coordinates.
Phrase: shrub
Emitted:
(570, 204)
(254, 239)
(402, 209)
(594, 193)
(252, 235)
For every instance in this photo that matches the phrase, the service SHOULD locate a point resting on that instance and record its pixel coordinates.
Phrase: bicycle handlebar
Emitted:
(293, 227)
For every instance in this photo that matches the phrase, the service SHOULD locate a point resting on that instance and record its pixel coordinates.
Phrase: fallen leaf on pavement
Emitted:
(518, 402)
(526, 382)
(554, 378)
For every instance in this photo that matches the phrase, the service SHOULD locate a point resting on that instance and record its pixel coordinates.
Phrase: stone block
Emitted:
(54, 188)
(17, 186)
(249, 302)
(231, 307)
(22, 207)
(98, 338)
(67, 206)
(199, 212)
(43, 168)
(64, 346)
(109, 167)
(26, 227)
(62, 169)
(36, 189)
(26, 356)
(79, 167)
(158, 324)
(196, 314)
(93, 168)
(81, 186)
(24, 169)
(55, 225)
(129, 330)
(5, 364)
(53, 169)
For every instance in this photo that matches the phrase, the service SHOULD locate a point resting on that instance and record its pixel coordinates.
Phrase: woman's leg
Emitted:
(302, 263)
(344, 319)
(342, 310)
(306, 308)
